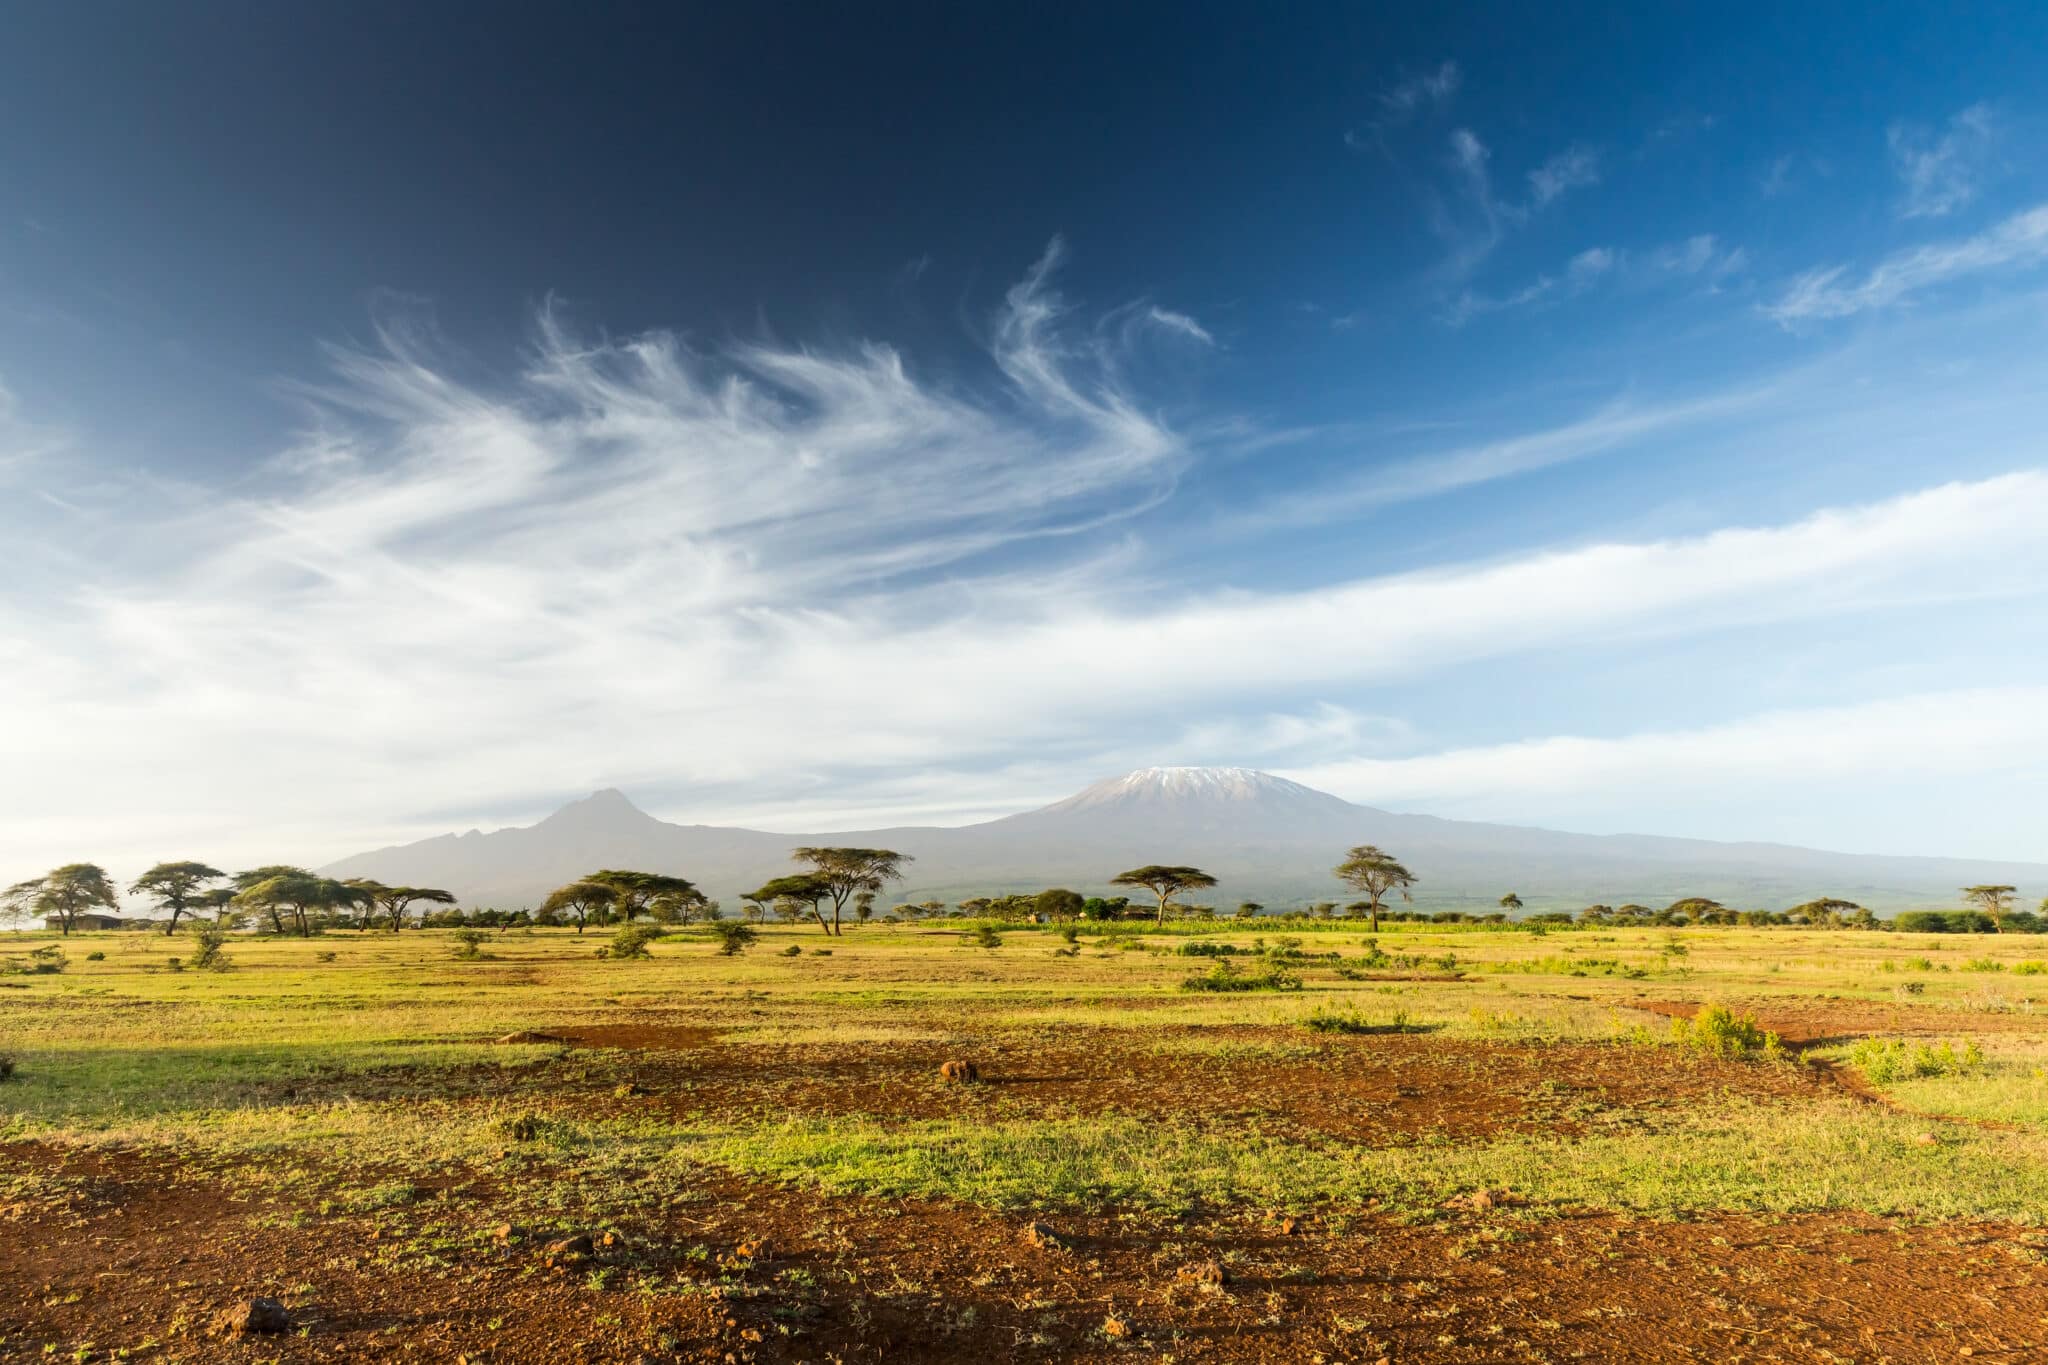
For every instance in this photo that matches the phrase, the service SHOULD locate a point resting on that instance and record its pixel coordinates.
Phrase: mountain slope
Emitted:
(1264, 837)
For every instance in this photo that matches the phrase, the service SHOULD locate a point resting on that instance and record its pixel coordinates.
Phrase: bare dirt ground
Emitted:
(134, 1254)
(137, 1256)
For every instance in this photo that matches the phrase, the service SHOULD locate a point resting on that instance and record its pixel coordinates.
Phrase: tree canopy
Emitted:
(1995, 901)
(296, 892)
(392, 902)
(639, 893)
(1373, 872)
(798, 888)
(177, 888)
(583, 900)
(1164, 882)
(63, 894)
(850, 871)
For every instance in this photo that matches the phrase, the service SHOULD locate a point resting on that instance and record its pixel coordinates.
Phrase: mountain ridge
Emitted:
(1265, 837)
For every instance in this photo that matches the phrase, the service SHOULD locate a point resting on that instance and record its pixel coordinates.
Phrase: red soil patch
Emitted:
(1378, 1090)
(136, 1255)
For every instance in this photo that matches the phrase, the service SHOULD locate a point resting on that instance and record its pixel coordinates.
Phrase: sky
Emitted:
(1624, 418)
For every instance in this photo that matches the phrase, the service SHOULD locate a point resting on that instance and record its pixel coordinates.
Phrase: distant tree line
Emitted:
(835, 885)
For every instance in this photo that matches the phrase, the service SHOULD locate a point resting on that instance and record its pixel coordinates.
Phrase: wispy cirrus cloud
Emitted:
(1940, 170)
(1573, 168)
(2019, 242)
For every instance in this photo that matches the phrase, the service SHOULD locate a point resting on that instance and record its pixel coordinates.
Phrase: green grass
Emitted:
(373, 1073)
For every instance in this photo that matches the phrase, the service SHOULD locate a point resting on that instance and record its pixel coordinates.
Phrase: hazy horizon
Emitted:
(795, 424)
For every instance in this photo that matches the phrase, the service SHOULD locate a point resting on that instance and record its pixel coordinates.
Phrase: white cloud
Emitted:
(1939, 171)
(1617, 783)
(640, 567)
(1405, 98)
(1573, 168)
(2019, 242)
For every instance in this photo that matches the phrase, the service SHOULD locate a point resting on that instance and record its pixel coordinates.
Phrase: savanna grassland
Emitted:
(1468, 1143)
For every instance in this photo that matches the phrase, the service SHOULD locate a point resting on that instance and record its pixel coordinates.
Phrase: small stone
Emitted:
(256, 1317)
(569, 1250)
(1041, 1236)
(959, 1072)
(1926, 1140)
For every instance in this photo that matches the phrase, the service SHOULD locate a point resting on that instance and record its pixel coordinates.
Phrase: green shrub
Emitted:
(985, 936)
(1885, 1061)
(734, 936)
(208, 955)
(1226, 976)
(1718, 1031)
(468, 944)
(793, 950)
(95, 956)
(631, 941)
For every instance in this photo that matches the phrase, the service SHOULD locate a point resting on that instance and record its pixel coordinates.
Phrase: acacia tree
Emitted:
(586, 900)
(217, 899)
(393, 902)
(1373, 872)
(1511, 902)
(849, 871)
(1164, 882)
(1826, 910)
(63, 894)
(637, 893)
(177, 888)
(796, 890)
(1995, 901)
(301, 894)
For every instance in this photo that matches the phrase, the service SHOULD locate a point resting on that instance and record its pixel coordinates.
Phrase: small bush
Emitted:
(1721, 1032)
(734, 936)
(1201, 949)
(208, 941)
(95, 956)
(6, 1067)
(1885, 1061)
(468, 944)
(1225, 976)
(985, 936)
(631, 941)
(328, 956)
(793, 950)
(1335, 1021)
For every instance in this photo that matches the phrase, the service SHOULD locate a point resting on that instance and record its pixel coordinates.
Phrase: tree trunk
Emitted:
(1375, 913)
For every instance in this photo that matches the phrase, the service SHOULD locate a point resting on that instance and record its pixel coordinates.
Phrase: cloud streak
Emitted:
(1939, 172)
(2018, 243)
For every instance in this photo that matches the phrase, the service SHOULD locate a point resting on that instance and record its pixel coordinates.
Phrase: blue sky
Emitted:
(1591, 417)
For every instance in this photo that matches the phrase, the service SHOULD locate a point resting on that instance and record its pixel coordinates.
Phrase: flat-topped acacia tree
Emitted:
(1995, 901)
(1373, 872)
(798, 888)
(392, 902)
(1164, 882)
(635, 893)
(584, 900)
(849, 871)
(63, 894)
(177, 888)
(301, 894)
